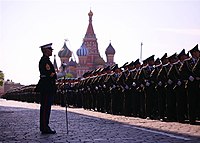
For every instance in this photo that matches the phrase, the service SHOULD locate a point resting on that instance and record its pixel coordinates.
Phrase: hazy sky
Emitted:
(162, 26)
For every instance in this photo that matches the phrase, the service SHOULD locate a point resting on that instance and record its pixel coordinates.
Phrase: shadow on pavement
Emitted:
(22, 124)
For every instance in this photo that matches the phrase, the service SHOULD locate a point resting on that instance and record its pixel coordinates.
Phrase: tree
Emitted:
(69, 75)
(1, 78)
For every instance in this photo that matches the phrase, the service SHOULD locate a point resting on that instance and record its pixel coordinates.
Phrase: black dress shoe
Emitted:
(48, 132)
(193, 123)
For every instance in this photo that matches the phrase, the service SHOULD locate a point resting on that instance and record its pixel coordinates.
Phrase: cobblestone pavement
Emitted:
(19, 122)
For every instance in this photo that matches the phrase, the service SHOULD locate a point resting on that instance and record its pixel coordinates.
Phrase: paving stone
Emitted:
(19, 122)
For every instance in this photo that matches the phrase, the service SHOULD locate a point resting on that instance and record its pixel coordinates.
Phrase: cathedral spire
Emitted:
(90, 30)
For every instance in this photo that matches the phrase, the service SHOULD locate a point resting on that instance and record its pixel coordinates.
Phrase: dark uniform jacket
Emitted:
(47, 82)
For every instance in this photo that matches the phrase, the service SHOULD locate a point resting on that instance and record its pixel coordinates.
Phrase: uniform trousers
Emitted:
(46, 100)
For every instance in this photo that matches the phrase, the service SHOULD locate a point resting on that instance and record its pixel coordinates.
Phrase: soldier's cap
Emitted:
(98, 70)
(86, 74)
(157, 61)
(125, 65)
(93, 72)
(144, 61)
(194, 49)
(188, 54)
(151, 58)
(174, 56)
(131, 64)
(112, 66)
(47, 46)
(137, 62)
(106, 68)
(164, 57)
(181, 53)
(115, 67)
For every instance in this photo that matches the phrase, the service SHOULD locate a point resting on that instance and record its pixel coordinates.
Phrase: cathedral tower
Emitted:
(110, 52)
(90, 41)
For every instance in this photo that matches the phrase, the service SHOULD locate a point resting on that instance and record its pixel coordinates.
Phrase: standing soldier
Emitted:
(140, 82)
(196, 70)
(170, 96)
(179, 88)
(128, 94)
(47, 88)
(161, 90)
(192, 84)
(115, 95)
(135, 85)
(149, 87)
(106, 89)
(154, 82)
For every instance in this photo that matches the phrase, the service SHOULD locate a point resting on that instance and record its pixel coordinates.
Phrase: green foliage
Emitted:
(1, 78)
(69, 75)
(1, 82)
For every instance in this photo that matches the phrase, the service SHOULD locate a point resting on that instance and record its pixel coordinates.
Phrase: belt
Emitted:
(43, 76)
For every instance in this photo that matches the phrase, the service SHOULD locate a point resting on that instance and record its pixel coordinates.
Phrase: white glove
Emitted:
(114, 86)
(142, 85)
(126, 87)
(147, 83)
(104, 86)
(96, 87)
(160, 83)
(191, 78)
(197, 78)
(169, 81)
(134, 84)
(179, 82)
(60, 74)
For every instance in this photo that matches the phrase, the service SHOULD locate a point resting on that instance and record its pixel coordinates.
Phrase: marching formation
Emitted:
(166, 89)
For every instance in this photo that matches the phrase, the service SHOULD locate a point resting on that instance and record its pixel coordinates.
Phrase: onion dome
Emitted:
(82, 51)
(99, 61)
(90, 13)
(65, 52)
(110, 50)
(72, 63)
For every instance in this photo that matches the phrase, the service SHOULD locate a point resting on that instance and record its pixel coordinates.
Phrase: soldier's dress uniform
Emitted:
(161, 90)
(47, 88)
(196, 71)
(192, 86)
(170, 93)
(179, 88)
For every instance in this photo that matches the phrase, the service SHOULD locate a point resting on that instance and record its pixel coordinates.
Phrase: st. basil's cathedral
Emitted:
(88, 54)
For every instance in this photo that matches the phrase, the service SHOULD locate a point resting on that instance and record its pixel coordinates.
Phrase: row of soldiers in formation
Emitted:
(166, 89)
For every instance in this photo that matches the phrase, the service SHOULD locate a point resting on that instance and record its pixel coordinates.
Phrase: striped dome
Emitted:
(110, 50)
(82, 51)
(65, 52)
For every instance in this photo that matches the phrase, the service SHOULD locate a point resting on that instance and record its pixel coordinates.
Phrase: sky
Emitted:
(163, 26)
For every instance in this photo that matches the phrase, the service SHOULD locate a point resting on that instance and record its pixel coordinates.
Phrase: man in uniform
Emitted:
(149, 87)
(116, 100)
(139, 77)
(135, 85)
(179, 88)
(47, 88)
(192, 83)
(161, 90)
(170, 94)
